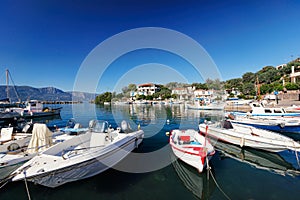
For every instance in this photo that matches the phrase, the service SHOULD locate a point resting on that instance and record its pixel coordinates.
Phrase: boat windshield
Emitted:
(99, 126)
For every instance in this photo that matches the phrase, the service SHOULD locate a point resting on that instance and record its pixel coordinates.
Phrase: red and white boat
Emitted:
(191, 147)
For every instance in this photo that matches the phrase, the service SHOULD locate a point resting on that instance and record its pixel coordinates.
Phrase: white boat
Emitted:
(81, 157)
(10, 142)
(248, 136)
(34, 108)
(191, 147)
(278, 124)
(206, 105)
(40, 139)
(237, 102)
(259, 109)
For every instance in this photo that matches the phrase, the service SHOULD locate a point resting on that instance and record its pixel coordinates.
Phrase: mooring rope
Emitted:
(210, 172)
(27, 190)
(3, 184)
(296, 152)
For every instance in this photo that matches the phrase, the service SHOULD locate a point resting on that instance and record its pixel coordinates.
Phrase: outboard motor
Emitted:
(125, 126)
(28, 128)
(92, 124)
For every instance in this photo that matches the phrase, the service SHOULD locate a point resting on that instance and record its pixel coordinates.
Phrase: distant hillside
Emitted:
(46, 93)
(82, 96)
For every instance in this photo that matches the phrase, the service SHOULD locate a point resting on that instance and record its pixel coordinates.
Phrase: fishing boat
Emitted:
(282, 124)
(34, 109)
(81, 157)
(259, 109)
(248, 136)
(191, 147)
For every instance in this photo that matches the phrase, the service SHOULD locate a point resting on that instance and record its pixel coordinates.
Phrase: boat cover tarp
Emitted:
(41, 138)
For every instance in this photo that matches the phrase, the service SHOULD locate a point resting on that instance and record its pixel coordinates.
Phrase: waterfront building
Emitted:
(147, 89)
(184, 93)
(203, 93)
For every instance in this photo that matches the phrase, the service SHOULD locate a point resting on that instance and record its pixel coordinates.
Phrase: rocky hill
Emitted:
(45, 94)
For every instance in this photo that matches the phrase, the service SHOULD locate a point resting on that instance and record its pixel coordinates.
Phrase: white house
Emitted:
(147, 89)
(203, 93)
(184, 93)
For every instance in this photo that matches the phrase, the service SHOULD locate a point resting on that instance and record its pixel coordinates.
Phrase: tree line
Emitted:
(269, 79)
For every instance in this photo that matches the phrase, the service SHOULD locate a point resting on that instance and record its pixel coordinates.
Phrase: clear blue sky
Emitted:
(43, 43)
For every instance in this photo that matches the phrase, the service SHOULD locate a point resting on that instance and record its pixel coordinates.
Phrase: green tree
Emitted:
(236, 83)
(198, 86)
(248, 77)
(292, 86)
(131, 87)
(104, 97)
(149, 97)
(266, 88)
(248, 88)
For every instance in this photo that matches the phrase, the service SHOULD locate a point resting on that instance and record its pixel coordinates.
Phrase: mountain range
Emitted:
(43, 94)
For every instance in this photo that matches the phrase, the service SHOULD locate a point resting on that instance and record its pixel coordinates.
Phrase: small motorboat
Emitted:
(191, 147)
(28, 144)
(82, 156)
(248, 136)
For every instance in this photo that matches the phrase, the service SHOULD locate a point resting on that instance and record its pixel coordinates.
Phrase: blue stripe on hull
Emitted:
(277, 128)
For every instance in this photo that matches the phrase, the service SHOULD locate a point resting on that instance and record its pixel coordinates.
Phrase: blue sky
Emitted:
(44, 43)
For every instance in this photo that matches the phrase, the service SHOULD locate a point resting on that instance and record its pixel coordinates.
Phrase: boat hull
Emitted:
(278, 128)
(244, 138)
(195, 154)
(96, 162)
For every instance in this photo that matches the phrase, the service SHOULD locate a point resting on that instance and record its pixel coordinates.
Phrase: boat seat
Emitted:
(77, 125)
(184, 139)
(227, 125)
(6, 134)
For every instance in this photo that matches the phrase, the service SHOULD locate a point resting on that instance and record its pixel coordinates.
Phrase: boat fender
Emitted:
(282, 125)
(106, 138)
(230, 116)
(242, 143)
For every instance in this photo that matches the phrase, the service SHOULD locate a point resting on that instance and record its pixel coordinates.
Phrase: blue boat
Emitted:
(288, 125)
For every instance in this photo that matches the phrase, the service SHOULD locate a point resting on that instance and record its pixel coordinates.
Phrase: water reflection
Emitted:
(272, 162)
(199, 184)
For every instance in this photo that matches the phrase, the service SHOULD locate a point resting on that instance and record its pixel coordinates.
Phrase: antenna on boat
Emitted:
(8, 75)
(7, 83)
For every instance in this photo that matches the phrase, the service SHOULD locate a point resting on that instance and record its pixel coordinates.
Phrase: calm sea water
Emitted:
(240, 173)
